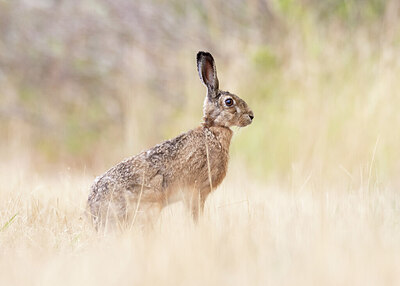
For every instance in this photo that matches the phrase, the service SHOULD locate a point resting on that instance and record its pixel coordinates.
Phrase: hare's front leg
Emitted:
(195, 201)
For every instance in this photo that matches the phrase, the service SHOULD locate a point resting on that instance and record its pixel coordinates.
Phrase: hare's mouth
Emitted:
(245, 119)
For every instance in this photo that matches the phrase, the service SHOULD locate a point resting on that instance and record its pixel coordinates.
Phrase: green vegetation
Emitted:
(114, 79)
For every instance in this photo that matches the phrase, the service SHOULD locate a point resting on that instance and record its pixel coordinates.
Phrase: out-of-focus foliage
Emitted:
(70, 68)
(93, 81)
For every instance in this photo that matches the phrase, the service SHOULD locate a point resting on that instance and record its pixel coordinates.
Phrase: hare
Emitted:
(186, 168)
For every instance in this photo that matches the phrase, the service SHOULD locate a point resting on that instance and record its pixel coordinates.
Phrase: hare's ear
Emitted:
(208, 72)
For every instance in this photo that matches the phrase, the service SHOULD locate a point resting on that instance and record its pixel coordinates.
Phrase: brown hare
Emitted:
(186, 168)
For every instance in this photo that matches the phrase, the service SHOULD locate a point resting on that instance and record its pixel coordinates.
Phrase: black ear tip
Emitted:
(202, 54)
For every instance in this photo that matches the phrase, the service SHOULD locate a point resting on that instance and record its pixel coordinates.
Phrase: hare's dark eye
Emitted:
(229, 102)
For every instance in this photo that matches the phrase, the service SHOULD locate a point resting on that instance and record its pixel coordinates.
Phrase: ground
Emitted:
(251, 234)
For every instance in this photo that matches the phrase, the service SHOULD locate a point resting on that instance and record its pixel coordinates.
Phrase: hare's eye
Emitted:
(229, 102)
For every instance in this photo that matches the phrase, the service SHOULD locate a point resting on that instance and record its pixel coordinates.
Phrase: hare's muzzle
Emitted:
(246, 119)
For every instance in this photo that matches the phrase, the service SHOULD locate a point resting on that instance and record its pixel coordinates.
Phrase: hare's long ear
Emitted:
(208, 73)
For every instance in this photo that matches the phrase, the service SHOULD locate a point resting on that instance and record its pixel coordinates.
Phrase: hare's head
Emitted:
(221, 108)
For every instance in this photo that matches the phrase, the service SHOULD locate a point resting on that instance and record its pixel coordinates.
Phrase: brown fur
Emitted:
(186, 168)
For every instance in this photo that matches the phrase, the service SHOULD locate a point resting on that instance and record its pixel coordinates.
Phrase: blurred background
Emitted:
(86, 83)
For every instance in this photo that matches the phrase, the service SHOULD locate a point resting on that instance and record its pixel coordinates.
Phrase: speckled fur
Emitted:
(177, 169)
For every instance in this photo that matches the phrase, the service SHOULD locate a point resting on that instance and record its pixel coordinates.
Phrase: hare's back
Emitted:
(129, 176)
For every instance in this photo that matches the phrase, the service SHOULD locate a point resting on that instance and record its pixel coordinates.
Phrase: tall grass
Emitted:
(250, 234)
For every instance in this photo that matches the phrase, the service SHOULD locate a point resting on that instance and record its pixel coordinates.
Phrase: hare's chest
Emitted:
(218, 153)
(218, 165)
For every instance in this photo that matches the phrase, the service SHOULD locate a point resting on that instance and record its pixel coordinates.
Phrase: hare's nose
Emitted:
(251, 115)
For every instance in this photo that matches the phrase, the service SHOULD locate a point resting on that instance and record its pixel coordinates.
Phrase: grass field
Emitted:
(312, 192)
(251, 234)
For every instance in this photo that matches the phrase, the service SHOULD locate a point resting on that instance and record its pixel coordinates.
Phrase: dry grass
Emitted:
(321, 206)
(251, 234)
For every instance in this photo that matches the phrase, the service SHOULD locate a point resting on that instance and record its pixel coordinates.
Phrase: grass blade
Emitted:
(8, 223)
